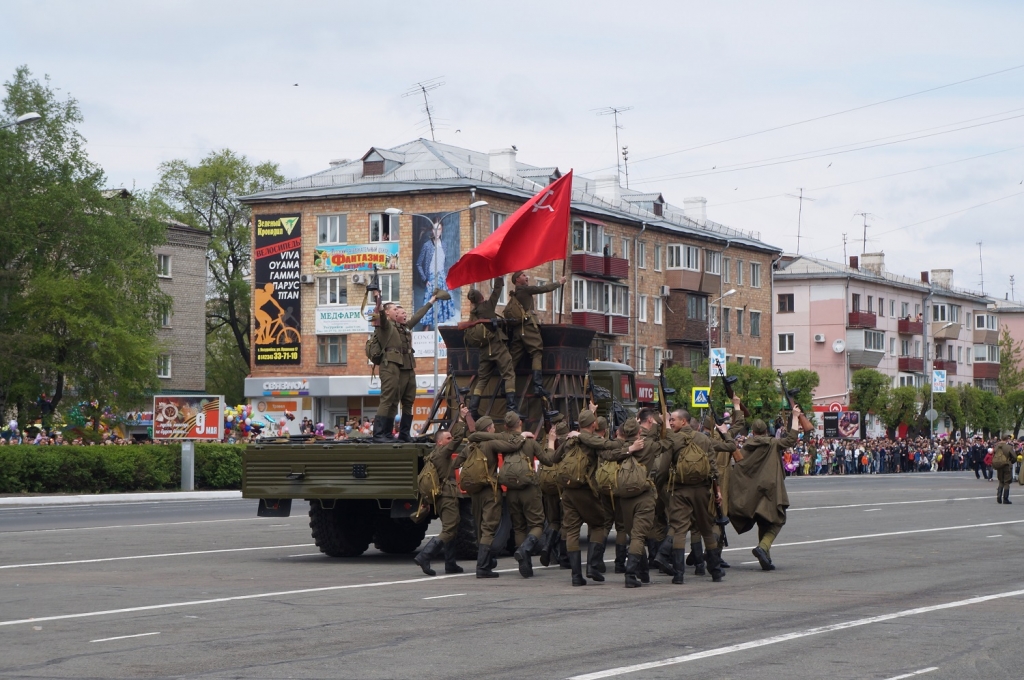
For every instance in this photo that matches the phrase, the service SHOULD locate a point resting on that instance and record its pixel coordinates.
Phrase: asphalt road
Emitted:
(878, 577)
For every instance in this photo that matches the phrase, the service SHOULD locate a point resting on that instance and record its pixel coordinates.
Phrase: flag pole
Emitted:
(568, 246)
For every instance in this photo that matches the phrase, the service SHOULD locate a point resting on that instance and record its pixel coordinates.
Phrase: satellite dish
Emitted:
(838, 346)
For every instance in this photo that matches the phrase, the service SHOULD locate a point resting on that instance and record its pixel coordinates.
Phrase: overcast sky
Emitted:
(302, 83)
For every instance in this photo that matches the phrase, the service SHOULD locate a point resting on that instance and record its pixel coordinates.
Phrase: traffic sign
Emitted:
(716, 362)
(835, 407)
(700, 397)
(938, 381)
(931, 414)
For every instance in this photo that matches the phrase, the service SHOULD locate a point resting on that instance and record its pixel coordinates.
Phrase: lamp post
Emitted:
(931, 391)
(23, 119)
(724, 295)
(434, 225)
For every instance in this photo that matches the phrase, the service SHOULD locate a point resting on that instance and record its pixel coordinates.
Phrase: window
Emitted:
(712, 262)
(917, 349)
(332, 349)
(755, 274)
(949, 353)
(163, 266)
(871, 304)
(755, 361)
(657, 311)
(697, 307)
(496, 220)
(165, 316)
(657, 258)
(917, 309)
(333, 228)
(674, 257)
(785, 303)
(874, 341)
(739, 272)
(641, 255)
(739, 359)
(713, 316)
(755, 324)
(855, 302)
(642, 309)
(557, 296)
(691, 258)
(587, 237)
(739, 322)
(905, 310)
(641, 356)
(389, 287)
(726, 313)
(950, 313)
(331, 290)
(608, 249)
(620, 300)
(881, 306)
(892, 347)
(383, 228)
(969, 351)
(503, 295)
(657, 359)
(591, 296)
(625, 248)
(785, 342)
(960, 355)
(892, 308)
(954, 313)
(969, 326)
(540, 300)
(163, 366)
(627, 355)
(905, 348)
(985, 322)
(726, 263)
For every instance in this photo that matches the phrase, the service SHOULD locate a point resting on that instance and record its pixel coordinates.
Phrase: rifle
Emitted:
(373, 285)
(728, 382)
(805, 424)
(721, 519)
(663, 391)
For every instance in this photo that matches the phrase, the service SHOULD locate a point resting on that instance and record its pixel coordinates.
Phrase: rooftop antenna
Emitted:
(1012, 296)
(981, 268)
(423, 88)
(799, 214)
(614, 111)
(865, 216)
(844, 248)
(625, 163)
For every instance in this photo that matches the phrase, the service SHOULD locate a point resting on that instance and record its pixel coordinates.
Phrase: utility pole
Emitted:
(1012, 296)
(864, 247)
(845, 260)
(423, 88)
(799, 215)
(614, 112)
(981, 268)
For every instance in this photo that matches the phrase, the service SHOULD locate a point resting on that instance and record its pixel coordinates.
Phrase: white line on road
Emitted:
(995, 536)
(145, 557)
(132, 526)
(871, 505)
(307, 555)
(910, 675)
(753, 562)
(438, 597)
(125, 637)
(872, 510)
(786, 637)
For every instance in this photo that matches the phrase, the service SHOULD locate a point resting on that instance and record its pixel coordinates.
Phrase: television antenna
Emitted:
(981, 268)
(422, 88)
(614, 111)
(864, 247)
(799, 214)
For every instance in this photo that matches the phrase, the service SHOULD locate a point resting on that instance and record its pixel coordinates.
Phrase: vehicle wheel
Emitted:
(343, 531)
(465, 540)
(398, 536)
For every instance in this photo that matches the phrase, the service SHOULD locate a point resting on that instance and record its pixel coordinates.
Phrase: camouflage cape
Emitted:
(757, 483)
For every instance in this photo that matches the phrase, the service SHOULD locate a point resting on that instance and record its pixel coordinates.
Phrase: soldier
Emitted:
(725, 447)
(524, 503)
(526, 338)
(757, 486)
(494, 356)
(552, 543)
(1002, 462)
(613, 519)
(446, 501)
(659, 541)
(688, 454)
(487, 501)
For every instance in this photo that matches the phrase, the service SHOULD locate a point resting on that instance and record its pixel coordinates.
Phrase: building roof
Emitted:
(425, 165)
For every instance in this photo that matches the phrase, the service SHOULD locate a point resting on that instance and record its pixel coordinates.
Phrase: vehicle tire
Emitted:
(343, 531)
(398, 536)
(465, 540)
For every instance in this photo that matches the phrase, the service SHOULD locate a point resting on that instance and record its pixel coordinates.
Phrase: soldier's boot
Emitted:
(404, 428)
(763, 558)
(697, 553)
(1006, 495)
(599, 565)
(679, 565)
(563, 555)
(575, 563)
(432, 549)
(632, 567)
(663, 557)
(545, 547)
(620, 558)
(999, 495)
(474, 406)
(483, 562)
(450, 565)
(382, 430)
(593, 556)
(522, 556)
(538, 385)
(643, 570)
(714, 564)
(510, 404)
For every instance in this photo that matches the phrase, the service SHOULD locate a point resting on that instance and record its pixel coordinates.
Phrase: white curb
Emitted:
(90, 499)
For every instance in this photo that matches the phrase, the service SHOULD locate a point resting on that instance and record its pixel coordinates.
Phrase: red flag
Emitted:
(536, 233)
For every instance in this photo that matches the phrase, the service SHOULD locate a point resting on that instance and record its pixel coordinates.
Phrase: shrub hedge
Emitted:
(103, 469)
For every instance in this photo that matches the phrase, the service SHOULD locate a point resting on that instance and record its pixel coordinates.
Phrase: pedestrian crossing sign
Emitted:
(699, 397)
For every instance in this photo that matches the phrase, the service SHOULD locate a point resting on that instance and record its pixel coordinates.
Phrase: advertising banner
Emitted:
(189, 416)
(359, 257)
(716, 362)
(276, 296)
(938, 381)
(342, 320)
(435, 248)
(841, 424)
(423, 345)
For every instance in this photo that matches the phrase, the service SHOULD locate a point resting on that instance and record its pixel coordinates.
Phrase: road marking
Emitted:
(438, 597)
(754, 562)
(889, 533)
(125, 637)
(910, 675)
(995, 536)
(872, 510)
(146, 557)
(307, 555)
(132, 526)
(867, 505)
(786, 637)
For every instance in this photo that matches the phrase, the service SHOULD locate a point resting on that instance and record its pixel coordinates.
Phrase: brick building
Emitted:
(646, 275)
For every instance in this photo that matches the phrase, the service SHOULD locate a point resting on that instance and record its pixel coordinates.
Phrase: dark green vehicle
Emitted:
(361, 493)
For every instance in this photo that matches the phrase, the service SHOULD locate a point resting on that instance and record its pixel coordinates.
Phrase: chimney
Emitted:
(607, 188)
(696, 208)
(942, 278)
(874, 263)
(854, 262)
(502, 162)
(924, 277)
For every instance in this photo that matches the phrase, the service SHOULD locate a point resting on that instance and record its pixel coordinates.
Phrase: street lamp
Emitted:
(931, 392)
(434, 225)
(724, 295)
(23, 119)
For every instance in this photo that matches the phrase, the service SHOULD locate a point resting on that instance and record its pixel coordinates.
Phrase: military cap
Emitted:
(561, 428)
(441, 294)
(516, 275)
(587, 418)
(602, 423)
(484, 423)
(630, 428)
(759, 426)
(511, 419)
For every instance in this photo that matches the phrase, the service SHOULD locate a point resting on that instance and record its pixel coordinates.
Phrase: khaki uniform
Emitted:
(487, 502)
(1003, 459)
(689, 503)
(526, 338)
(724, 447)
(446, 504)
(757, 487)
(637, 513)
(582, 506)
(525, 506)
(398, 368)
(494, 356)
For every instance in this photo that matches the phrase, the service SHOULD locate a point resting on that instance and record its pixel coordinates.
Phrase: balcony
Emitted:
(911, 365)
(908, 327)
(861, 320)
(986, 371)
(598, 265)
(948, 366)
(602, 323)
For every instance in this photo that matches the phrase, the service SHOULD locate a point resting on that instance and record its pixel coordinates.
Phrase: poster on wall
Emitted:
(435, 248)
(342, 320)
(191, 416)
(841, 424)
(276, 294)
(423, 345)
(353, 258)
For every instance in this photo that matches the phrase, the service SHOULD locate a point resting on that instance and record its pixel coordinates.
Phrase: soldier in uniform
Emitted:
(526, 338)
(659, 541)
(757, 486)
(397, 369)
(446, 503)
(552, 543)
(1003, 458)
(689, 502)
(494, 356)
(487, 501)
(524, 505)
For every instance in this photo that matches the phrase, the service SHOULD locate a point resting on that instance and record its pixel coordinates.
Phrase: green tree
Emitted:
(225, 370)
(870, 391)
(901, 408)
(679, 378)
(1011, 373)
(78, 288)
(982, 410)
(1014, 404)
(806, 381)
